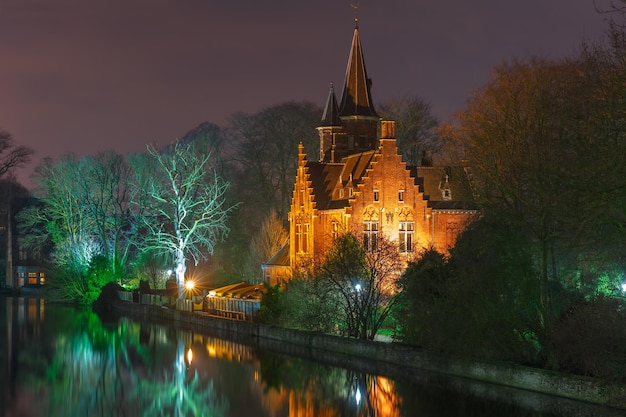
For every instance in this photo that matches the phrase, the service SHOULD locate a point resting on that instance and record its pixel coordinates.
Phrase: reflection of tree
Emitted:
(320, 390)
(178, 394)
(100, 371)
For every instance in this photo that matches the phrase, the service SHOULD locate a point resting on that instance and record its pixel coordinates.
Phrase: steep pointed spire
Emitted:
(356, 99)
(331, 111)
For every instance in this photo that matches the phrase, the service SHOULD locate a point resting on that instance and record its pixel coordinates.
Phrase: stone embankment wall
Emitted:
(376, 356)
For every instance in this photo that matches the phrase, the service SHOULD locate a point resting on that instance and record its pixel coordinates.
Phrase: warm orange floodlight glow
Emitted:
(189, 356)
(189, 284)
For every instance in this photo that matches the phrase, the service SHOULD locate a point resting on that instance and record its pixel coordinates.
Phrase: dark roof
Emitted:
(434, 180)
(241, 290)
(280, 258)
(331, 111)
(356, 99)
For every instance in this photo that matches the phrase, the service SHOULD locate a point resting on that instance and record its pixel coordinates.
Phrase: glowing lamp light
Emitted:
(189, 356)
(189, 285)
(624, 287)
(357, 287)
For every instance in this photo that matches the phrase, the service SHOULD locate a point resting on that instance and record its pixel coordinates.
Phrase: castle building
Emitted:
(360, 184)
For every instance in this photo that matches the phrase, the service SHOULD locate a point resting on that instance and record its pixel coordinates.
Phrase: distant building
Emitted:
(360, 184)
(20, 267)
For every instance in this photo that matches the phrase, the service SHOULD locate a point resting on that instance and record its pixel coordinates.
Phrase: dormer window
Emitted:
(376, 195)
(341, 193)
(351, 192)
(444, 186)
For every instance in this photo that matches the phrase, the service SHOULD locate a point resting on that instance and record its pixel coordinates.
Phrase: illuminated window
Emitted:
(405, 236)
(305, 239)
(351, 191)
(32, 275)
(302, 237)
(335, 232)
(376, 195)
(370, 236)
(298, 241)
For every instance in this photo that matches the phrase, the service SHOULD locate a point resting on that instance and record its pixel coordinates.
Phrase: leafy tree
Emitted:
(312, 304)
(416, 129)
(271, 305)
(189, 212)
(532, 143)
(425, 287)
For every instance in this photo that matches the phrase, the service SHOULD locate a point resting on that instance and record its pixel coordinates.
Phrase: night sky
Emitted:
(90, 75)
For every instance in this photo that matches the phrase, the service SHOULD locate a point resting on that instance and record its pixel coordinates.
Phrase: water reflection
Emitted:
(69, 362)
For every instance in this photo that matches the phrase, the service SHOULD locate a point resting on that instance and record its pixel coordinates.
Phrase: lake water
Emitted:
(59, 361)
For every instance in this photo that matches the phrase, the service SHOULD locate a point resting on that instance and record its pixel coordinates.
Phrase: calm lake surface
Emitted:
(59, 361)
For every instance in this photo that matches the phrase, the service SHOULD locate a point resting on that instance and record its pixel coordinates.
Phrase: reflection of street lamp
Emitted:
(189, 356)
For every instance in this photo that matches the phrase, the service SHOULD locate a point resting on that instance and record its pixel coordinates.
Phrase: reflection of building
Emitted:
(21, 267)
(31, 275)
(360, 184)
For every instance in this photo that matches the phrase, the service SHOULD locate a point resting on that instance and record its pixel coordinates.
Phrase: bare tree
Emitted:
(266, 146)
(364, 281)
(416, 129)
(271, 237)
(12, 156)
(189, 212)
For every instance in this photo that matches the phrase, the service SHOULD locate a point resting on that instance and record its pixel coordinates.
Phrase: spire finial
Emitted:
(355, 6)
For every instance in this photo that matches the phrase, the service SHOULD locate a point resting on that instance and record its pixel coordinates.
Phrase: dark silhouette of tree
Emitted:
(415, 129)
(12, 155)
(266, 150)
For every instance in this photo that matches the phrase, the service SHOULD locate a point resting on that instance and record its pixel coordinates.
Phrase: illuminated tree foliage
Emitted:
(189, 211)
(83, 209)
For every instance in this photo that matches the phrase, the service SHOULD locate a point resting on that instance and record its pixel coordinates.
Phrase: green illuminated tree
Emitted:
(83, 210)
(189, 211)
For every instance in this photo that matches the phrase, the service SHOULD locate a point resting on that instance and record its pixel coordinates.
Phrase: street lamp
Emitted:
(189, 285)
